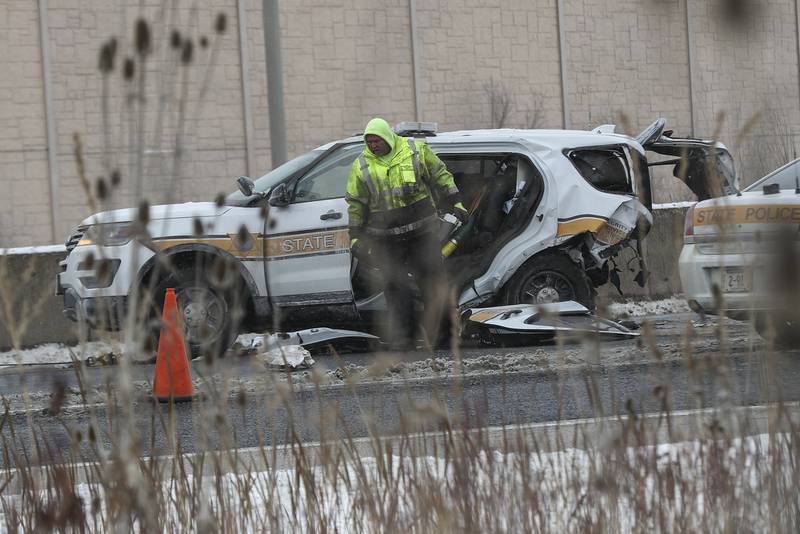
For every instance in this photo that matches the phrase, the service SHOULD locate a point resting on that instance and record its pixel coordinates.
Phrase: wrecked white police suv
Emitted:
(551, 207)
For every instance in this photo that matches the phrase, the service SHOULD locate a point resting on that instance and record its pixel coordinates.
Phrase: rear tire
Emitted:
(550, 277)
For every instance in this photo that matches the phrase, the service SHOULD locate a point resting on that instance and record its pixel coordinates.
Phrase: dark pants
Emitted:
(405, 263)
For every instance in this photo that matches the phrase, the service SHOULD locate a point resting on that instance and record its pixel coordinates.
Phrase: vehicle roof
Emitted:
(757, 184)
(553, 139)
(751, 198)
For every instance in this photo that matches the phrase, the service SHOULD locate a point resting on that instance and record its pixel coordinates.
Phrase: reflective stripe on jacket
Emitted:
(393, 194)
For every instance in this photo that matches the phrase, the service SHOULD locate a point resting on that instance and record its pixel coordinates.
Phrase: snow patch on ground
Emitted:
(58, 353)
(527, 359)
(643, 308)
(42, 249)
(669, 485)
(674, 205)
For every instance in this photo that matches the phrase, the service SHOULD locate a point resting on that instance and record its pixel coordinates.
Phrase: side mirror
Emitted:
(245, 185)
(279, 196)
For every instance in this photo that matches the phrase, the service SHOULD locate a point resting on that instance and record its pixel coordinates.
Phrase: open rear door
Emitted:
(706, 167)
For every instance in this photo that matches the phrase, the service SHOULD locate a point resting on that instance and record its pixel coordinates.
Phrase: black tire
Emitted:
(550, 277)
(211, 310)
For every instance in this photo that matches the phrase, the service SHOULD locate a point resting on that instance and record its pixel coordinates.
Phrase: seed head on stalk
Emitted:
(128, 69)
(175, 40)
(106, 57)
(221, 23)
(142, 38)
(187, 52)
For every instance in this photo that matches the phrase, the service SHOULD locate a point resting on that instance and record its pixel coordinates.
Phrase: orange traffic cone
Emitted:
(173, 380)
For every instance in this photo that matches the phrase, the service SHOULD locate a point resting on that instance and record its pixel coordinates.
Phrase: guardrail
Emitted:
(30, 311)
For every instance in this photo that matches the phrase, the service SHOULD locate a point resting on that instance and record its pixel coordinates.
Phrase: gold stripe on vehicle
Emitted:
(277, 246)
(748, 214)
(580, 225)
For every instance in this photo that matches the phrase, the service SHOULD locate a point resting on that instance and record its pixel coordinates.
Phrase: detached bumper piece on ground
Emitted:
(524, 324)
(294, 349)
(521, 324)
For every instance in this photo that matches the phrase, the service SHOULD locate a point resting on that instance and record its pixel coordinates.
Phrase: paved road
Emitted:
(535, 395)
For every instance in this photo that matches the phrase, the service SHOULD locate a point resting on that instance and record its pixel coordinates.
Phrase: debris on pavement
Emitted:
(630, 324)
(670, 332)
(525, 323)
(287, 357)
(103, 359)
(272, 341)
(318, 340)
(646, 308)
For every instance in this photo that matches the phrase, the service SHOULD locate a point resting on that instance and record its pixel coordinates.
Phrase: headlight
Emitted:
(109, 234)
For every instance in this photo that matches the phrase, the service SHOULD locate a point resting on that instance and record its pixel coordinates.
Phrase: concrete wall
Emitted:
(347, 60)
(24, 202)
(469, 49)
(30, 311)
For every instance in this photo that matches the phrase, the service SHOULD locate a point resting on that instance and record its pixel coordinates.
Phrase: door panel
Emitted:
(308, 255)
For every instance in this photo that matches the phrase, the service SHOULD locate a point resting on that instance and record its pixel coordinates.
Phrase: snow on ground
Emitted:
(42, 249)
(643, 308)
(674, 205)
(669, 485)
(58, 353)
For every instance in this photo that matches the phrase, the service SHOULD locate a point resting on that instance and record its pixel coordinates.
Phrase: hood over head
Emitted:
(381, 128)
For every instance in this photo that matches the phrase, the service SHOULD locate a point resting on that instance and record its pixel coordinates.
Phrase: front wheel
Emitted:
(550, 277)
(210, 312)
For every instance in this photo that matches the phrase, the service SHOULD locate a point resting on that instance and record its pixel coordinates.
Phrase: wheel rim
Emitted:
(203, 313)
(547, 286)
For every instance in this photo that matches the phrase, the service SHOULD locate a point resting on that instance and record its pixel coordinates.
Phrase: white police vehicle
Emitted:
(551, 208)
(741, 257)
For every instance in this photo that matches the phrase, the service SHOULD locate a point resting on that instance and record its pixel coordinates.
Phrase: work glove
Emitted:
(461, 213)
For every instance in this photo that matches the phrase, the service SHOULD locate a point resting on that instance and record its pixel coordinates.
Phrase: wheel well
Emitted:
(555, 252)
(179, 258)
(559, 251)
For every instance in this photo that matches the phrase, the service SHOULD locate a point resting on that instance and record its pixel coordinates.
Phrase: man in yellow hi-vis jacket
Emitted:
(393, 192)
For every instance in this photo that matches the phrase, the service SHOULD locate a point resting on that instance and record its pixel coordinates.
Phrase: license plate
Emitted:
(734, 281)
